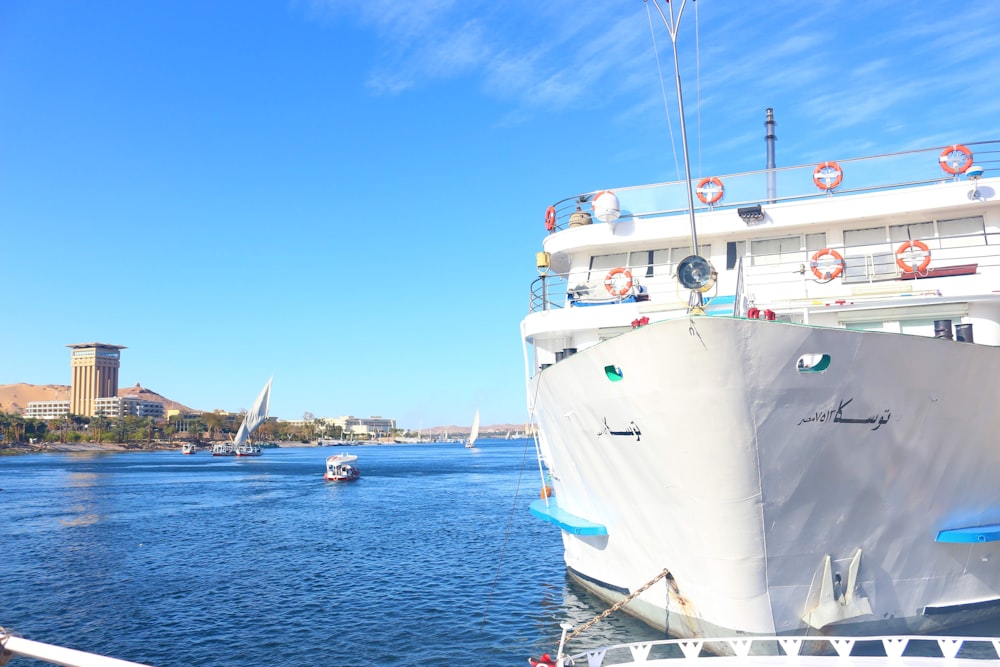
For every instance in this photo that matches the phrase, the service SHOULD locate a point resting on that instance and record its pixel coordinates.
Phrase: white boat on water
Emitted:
(189, 448)
(340, 468)
(473, 432)
(795, 422)
(242, 444)
(223, 449)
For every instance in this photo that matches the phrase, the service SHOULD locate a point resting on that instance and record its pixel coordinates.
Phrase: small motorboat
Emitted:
(339, 468)
(189, 448)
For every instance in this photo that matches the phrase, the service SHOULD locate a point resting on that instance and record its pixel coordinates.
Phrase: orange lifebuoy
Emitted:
(612, 278)
(546, 491)
(828, 175)
(550, 218)
(953, 166)
(709, 190)
(905, 246)
(829, 275)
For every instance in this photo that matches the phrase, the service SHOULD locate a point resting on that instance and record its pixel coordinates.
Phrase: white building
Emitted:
(47, 409)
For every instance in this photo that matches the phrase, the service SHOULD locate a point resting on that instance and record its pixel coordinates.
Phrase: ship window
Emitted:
(962, 232)
(640, 263)
(815, 242)
(661, 263)
(601, 264)
(864, 237)
(776, 251)
(917, 327)
(912, 232)
(876, 325)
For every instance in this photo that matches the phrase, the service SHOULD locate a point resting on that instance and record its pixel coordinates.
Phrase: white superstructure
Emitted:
(814, 447)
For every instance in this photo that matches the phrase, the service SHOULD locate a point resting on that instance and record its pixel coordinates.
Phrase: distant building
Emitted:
(95, 375)
(122, 406)
(374, 426)
(183, 421)
(111, 407)
(47, 409)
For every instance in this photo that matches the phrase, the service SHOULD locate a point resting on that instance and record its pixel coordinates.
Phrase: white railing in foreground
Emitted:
(12, 646)
(888, 648)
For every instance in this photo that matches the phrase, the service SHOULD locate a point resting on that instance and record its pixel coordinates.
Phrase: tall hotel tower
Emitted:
(95, 375)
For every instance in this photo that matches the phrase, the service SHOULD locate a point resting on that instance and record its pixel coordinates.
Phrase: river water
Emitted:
(431, 558)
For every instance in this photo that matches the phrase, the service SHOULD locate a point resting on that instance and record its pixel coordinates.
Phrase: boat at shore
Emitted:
(243, 444)
(223, 449)
(806, 441)
(189, 448)
(339, 468)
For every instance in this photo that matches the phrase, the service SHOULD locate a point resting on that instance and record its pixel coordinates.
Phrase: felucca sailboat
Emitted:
(242, 444)
(474, 433)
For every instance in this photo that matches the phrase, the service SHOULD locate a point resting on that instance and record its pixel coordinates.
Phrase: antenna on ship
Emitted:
(694, 272)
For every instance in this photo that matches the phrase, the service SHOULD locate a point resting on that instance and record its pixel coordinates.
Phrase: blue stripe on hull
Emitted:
(970, 535)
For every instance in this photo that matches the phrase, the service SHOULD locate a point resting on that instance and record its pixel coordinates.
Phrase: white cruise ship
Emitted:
(798, 422)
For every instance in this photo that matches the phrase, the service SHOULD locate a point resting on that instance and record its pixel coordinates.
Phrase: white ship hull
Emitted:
(799, 441)
(715, 458)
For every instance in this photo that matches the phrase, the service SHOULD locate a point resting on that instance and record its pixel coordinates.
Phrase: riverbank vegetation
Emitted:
(145, 432)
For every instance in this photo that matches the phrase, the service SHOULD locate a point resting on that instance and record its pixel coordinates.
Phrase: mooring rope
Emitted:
(615, 607)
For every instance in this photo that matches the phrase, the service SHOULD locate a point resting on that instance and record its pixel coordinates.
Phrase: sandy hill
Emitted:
(14, 397)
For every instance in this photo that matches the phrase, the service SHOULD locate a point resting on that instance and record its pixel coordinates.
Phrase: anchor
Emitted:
(835, 601)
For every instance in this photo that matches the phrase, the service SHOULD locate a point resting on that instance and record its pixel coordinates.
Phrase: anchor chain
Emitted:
(618, 605)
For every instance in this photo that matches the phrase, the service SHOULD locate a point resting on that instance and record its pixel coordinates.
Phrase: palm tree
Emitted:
(100, 422)
(213, 422)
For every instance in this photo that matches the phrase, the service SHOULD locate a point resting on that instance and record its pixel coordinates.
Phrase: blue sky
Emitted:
(348, 194)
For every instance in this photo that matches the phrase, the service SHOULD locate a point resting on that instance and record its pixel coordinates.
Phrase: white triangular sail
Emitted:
(474, 433)
(255, 417)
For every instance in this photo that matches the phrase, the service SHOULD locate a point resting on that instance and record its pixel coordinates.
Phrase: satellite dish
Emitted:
(696, 273)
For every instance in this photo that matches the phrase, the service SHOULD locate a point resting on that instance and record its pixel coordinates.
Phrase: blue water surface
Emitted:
(431, 558)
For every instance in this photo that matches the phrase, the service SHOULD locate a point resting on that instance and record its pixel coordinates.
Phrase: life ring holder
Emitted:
(611, 279)
(907, 267)
(828, 175)
(953, 167)
(550, 218)
(709, 190)
(829, 275)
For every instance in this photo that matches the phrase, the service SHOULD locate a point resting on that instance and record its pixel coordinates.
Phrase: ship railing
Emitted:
(890, 171)
(772, 279)
(796, 650)
(12, 645)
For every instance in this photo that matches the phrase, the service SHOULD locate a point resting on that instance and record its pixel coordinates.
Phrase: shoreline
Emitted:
(63, 447)
(70, 447)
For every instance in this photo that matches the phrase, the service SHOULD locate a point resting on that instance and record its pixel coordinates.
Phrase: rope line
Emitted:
(506, 536)
(618, 605)
(663, 89)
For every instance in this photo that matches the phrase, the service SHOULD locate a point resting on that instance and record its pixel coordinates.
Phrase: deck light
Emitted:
(696, 273)
(543, 261)
(751, 214)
